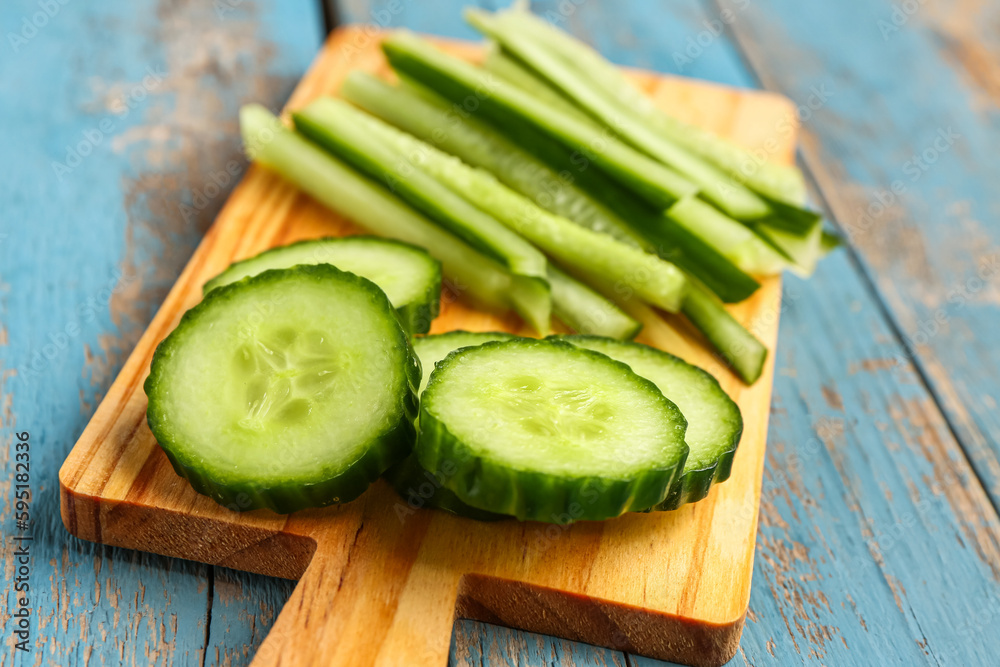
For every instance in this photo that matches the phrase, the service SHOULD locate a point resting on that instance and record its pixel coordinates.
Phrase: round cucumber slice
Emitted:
(714, 422)
(409, 276)
(294, 388)
(417, 486)
(547, 431)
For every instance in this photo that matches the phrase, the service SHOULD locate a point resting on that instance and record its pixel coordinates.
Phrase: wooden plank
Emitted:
(118, 488)
(930, 247)
(86, 255)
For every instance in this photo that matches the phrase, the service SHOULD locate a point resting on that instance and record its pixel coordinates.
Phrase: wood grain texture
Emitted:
(381, 587)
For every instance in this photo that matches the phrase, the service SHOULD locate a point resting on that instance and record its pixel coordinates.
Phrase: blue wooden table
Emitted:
(879, 538)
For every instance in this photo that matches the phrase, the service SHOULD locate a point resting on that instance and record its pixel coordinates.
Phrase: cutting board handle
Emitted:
(367, 601)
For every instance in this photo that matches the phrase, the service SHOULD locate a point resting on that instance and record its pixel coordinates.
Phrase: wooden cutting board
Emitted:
(382, 582)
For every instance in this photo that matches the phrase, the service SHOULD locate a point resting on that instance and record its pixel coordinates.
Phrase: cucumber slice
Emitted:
(409, 276)
(714, 423)
(546, 431)
(420, 487)
(294, 388)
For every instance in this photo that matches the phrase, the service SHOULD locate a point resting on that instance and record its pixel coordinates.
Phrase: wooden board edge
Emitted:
(201, 539)
(613, 625)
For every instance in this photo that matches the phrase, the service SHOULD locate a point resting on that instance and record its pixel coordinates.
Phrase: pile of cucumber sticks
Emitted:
(540, 181)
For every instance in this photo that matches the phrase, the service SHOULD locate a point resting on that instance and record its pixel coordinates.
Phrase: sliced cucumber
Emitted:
(737, 242)
(767, 178)
(294, 388)
(739, 348)
(544, 430)
(586, 252)
(728, 194)
(429, 117)
(506, 105)
(585, 311)
(585, 197)
(409, 276)
(714, 423)
(334, 125)
(420, 487)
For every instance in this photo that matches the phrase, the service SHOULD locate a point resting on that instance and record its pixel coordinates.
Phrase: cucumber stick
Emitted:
(330, 123)
(654, 280)
(730, 196)
(459, 81)
(345, 191)
(428, 117)
(738, 347)
(775, 181)
(409, 276)
(560, 191)
(547, 431)
(777, 217)
(587, 312)
(735, 241)
(714, 422)
(498, 62)
(785, 227)
(293, 388)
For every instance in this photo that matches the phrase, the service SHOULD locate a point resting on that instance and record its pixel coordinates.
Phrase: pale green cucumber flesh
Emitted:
(408, 275)
(294, 388)
(714, 420)
(547, 431)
